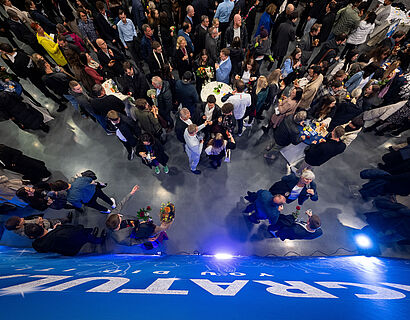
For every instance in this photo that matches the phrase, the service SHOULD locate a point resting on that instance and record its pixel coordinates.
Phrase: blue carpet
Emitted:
(47, 286)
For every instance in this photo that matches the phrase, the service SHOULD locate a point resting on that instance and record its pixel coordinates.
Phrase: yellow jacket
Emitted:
(52, 49)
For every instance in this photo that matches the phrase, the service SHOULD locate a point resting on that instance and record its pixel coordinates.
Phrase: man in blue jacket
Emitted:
(263, 205)
(224, 67)
(83, 190)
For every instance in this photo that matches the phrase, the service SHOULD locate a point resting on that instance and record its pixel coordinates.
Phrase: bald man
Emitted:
(110, 58)
(237, 29)
(283, 17)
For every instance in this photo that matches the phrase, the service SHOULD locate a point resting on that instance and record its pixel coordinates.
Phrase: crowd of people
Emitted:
(139, 69)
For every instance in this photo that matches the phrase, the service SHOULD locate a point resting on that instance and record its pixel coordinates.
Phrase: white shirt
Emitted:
(192, 143)
(209, 112)
(246, 76)
(120, 135)
(240, 102)
(188, 122)
(294, 194)
(12, 56)
(237, 32)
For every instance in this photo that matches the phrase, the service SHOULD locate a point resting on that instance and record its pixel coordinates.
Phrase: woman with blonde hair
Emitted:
(49, 45)
(218, 148)
(183, 56)
(259, 95)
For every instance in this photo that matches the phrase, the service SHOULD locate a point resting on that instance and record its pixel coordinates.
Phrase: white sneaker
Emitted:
(114, 204)
(246, 124)
(243, 130)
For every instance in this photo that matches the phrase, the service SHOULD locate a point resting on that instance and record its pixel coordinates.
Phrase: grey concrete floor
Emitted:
(208, 206)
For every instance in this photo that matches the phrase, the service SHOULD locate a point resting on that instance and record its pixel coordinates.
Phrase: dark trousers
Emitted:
(89, 237)
(133, 47)
(348, 47)
(240, 124)
(99, 194)
(127, 146)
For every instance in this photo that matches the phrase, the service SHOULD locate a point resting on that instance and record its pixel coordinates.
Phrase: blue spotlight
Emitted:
(363, 241)
(223, 256)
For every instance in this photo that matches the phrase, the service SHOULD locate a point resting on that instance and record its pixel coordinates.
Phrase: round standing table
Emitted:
(210, 88)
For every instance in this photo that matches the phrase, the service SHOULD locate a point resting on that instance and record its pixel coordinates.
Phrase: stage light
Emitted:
(223, 256)
(363, 241)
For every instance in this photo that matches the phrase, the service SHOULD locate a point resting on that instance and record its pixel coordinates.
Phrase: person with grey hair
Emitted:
(292, 187)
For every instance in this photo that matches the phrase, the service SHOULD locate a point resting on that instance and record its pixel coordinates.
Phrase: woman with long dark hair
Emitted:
(323, 112)
(291, 66)
(201, 65)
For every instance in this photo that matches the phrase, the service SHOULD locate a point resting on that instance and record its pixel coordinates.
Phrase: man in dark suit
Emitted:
(111, 59)
(134, 82)
(318, 154)
(22, 33)
(104, 103)
(201, 30)
(23, 66)
(183, 120)
(287, 227)
(104, 23)
(63, 239)
(126, 130)
(189, 18)
(164, 98)
(157, 59)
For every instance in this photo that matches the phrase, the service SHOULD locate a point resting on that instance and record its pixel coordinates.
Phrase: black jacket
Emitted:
(116, 70)
(287, 132)
(128, 128)
(106, 31)
(318, 154)
(180, 127)
(19, 66)
(187, 95)
(200, 36)
(345, 112)
(286, 33)
(102, 105)
(58, 82)
(244, 36)
(165, 99)
(47, 25)
(156, 65)
(22, 33)
(287, 228)
(64, 239)
(211, 45)
(200, 112)
(327, 24)
(21, 113)
(328, 52)
(137, 85)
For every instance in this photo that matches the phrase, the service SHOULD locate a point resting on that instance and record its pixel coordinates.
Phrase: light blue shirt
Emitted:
(224, 10)
(127, 31)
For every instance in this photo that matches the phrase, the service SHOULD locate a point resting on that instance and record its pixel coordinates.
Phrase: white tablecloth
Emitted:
(209, 89)
(294, 153)
(107, 85)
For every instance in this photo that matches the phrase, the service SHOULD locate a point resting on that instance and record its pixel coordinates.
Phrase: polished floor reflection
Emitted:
(208, 206)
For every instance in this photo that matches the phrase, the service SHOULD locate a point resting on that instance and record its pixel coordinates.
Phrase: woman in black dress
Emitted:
(183, 57)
